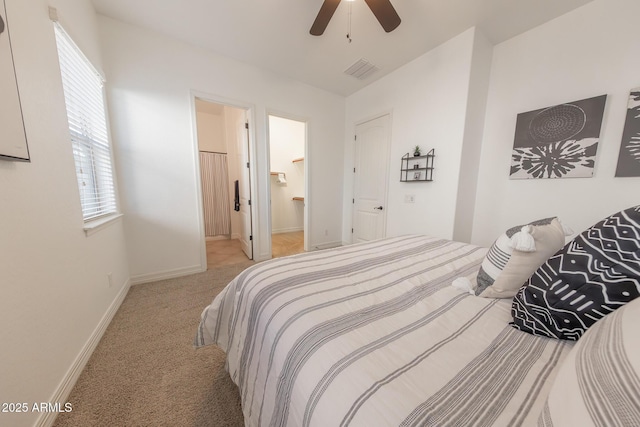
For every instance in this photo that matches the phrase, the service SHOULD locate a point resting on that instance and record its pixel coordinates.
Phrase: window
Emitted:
(84, 99)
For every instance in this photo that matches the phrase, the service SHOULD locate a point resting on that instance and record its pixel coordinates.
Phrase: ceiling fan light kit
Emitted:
(382, 9)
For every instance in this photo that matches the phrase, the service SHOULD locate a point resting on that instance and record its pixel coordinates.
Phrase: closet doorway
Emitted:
(288, 186)
(223, 145)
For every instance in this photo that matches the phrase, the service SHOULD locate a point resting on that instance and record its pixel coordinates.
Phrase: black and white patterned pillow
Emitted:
(593, 275)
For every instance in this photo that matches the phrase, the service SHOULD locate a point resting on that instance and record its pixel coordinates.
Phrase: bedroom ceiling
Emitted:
(275, 35)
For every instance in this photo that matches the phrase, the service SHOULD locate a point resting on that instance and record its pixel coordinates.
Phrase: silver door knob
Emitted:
(378, 207)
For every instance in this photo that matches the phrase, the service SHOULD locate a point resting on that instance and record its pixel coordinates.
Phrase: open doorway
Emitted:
(288, 164)
(223, 145)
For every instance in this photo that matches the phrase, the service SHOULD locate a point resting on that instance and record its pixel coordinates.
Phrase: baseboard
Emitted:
(326, 245)
(167, 274)
(261, 257)
(46, 419)
(287, 230)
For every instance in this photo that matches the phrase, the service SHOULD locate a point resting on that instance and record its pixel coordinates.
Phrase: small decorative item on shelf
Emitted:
(416, 151)
(417, 164)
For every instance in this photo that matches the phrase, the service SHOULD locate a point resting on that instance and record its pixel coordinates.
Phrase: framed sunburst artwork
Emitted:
(559, 141)
(629, 157)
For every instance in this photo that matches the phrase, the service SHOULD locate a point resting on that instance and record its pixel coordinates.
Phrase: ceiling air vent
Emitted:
(361, 69)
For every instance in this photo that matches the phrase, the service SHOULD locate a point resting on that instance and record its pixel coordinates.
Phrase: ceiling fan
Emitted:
(382, 9)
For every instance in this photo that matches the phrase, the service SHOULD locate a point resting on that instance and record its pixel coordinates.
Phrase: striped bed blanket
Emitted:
(373, 334)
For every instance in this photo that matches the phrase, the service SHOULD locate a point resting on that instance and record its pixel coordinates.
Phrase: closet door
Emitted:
(370, 179)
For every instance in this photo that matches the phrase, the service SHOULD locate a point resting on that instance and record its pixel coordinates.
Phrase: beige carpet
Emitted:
(145, 371)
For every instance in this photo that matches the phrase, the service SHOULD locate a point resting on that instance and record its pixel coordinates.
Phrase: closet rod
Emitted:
(212, 152)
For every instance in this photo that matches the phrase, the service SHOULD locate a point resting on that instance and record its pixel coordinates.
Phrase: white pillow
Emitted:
(505, 269)
(598, 383)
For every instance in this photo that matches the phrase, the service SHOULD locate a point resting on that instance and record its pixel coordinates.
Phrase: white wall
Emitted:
(428, 102)
(54, 285)
(211, 131)
(151, 77)
(472, 140)
(591, 51)
(286, 142)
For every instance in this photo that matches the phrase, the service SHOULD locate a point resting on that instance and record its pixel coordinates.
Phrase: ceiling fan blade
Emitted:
(324, 16)
(386, 14)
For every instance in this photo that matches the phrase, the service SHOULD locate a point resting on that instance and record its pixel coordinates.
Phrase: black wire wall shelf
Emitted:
(417, 168)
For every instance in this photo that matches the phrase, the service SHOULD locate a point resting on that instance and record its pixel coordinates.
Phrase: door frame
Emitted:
(387, 167)
(250, 114)
(307, 167)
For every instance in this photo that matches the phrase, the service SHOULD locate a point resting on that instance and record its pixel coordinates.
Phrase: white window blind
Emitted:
(84, 98)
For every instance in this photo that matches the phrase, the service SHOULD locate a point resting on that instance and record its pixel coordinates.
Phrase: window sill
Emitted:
(94, 226)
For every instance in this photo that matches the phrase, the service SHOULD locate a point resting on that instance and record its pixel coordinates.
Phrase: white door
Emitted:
(246, 232)
(370, 179)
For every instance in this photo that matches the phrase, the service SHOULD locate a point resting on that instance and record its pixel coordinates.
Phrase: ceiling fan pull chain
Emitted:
(349, 26)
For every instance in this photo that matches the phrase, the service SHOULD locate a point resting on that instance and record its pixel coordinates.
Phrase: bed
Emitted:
(374, 334)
